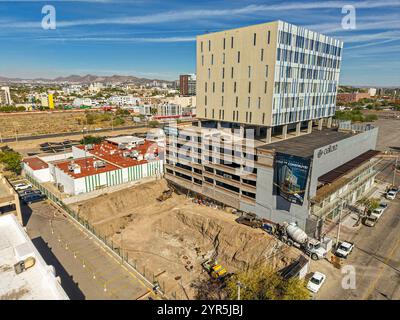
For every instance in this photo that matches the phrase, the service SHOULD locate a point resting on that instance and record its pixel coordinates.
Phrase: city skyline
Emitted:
(106, 37)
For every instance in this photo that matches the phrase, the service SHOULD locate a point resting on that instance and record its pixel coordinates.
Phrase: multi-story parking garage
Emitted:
(303, 179)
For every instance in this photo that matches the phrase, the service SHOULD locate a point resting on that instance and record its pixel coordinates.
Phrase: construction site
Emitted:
(170, 235)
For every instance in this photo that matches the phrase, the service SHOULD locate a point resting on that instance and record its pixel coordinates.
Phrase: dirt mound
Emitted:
(111, 212)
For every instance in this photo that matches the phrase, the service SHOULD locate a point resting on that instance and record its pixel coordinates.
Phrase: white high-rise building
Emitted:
(5, 96)
(372, 92)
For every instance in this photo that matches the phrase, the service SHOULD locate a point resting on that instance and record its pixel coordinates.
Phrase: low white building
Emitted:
(87, 168)
(24, 275)
(169, 109)
(82, 102)
(183, 101)
(124, 100)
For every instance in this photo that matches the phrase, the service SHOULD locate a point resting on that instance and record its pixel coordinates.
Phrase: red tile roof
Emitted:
(87, 167)
(110, 153)
(35, 163)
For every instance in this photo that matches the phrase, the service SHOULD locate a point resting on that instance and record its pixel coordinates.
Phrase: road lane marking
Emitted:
(373, 285)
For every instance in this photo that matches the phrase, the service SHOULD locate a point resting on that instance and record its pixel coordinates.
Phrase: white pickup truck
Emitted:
(344, 249)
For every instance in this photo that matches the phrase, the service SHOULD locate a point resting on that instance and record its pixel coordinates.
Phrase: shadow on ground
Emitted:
(70, 287)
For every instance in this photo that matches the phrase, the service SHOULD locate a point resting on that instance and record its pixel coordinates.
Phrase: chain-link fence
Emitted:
(145, 272)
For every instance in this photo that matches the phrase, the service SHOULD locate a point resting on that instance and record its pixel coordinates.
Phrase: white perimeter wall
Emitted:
(107, 179)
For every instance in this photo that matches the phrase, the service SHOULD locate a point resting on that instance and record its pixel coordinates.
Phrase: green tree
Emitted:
(91, 140)
(263, 283)
(369, 204)
(11, 160)
(153, 124)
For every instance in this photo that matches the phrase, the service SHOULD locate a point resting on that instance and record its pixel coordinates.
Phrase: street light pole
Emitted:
(340, 222)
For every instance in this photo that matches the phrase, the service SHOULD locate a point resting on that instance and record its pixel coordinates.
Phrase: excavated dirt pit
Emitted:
(171, 239)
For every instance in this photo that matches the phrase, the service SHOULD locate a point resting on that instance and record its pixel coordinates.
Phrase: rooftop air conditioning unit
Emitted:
(71, 166)
(77, 169)
(99, 164)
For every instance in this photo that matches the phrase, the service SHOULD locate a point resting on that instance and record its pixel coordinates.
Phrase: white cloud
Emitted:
(116, 39)
(185, 15)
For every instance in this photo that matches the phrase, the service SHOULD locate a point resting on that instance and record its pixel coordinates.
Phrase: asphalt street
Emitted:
(375, 258)
(87, 270)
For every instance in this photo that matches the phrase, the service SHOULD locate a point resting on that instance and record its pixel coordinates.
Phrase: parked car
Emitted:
(316, 282)
(31, 198)
(391, 194)
(22, 186)
(344, 249)
(370, 221)
(377, 213)
(383, 206)
(29, 191)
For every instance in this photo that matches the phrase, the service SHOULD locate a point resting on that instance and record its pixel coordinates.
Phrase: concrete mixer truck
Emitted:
(293, 235)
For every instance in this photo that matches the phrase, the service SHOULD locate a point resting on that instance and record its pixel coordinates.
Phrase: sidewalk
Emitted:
(349, 226)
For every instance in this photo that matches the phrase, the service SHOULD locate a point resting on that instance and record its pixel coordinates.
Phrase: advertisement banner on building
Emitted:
(290, 179)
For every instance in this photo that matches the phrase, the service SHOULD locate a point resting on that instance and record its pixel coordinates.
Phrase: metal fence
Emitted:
(146, 273)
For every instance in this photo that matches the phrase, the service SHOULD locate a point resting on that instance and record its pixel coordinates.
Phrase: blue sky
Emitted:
(155, 38)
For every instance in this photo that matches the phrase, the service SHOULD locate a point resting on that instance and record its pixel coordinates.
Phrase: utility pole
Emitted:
(340, 222)
(394, 171)
(238, 288)
(16, 132)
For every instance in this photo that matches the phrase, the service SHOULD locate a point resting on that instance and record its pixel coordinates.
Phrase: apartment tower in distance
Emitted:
(265, 142)
(187, 85)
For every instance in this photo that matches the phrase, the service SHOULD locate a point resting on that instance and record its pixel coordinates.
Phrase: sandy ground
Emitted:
(172, 238)
(33, 146)
(37, 123)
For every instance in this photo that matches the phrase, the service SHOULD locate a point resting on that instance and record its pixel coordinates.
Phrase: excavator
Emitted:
(214, 269)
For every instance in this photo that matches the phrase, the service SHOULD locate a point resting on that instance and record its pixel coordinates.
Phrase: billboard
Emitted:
(290, 176)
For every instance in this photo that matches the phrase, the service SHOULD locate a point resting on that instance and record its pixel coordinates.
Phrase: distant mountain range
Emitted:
(89, 78)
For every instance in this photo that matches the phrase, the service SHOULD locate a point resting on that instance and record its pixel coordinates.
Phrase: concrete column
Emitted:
(329, 122)
(284, 131)
(199, 123)
(241, 131)
(309, 128)
(258, 131)
(218, 125)
(298, 128)
(320, 122)
(269, 135)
